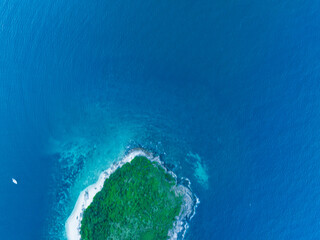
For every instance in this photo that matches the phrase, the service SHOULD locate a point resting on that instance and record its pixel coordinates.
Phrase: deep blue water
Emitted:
(227, 92)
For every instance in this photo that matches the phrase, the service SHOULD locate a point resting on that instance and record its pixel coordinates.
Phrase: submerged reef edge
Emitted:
(181, 223)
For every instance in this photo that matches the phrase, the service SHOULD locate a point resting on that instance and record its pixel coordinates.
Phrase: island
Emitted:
(136, 198)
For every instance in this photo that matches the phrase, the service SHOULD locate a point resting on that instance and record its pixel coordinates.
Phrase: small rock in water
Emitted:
(14, 181)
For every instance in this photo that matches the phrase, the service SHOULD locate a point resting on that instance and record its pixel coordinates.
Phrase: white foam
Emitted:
(188, 210)
(85, 198)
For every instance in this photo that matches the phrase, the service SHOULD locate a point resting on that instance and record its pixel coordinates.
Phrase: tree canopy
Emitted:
(137, 201)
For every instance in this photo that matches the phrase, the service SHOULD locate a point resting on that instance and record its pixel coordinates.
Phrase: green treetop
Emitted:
(137, 201)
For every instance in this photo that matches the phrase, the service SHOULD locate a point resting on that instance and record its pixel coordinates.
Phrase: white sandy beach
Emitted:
(85, 198)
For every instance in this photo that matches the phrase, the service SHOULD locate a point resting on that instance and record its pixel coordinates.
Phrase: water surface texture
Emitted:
(226, 92)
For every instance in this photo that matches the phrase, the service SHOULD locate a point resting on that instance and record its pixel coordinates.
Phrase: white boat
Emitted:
(14, 181)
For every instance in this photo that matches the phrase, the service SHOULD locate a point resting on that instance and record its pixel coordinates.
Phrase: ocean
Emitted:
(226, 92)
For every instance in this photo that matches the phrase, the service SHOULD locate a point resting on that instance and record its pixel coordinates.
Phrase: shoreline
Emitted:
(73, 223)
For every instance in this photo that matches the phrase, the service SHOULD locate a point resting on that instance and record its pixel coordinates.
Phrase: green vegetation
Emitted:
(136, 202)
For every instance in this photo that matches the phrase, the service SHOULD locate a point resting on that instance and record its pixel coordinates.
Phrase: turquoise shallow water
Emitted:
(226, 92)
